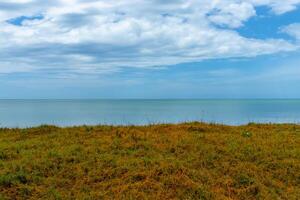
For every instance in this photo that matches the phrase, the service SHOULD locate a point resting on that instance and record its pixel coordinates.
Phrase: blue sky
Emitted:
(150, 49)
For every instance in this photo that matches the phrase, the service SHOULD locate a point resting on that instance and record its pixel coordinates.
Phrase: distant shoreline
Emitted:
(141, 99)
(154, 124)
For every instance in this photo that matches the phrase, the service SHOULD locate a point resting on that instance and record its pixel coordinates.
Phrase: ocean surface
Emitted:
(28, 113)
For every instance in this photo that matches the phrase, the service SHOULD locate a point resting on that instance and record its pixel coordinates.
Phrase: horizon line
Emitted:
(149, 98)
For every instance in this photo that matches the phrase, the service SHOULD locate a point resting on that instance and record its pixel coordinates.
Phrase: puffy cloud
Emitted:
(103, 36)
(232, 14)
(293, 30)
(277, 6)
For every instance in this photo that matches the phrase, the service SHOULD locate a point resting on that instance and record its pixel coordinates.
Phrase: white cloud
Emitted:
(99, 36)
(277, 6)
(232, 14)
(293, 30)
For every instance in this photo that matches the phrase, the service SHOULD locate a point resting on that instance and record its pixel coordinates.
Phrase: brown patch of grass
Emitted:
(184, 161)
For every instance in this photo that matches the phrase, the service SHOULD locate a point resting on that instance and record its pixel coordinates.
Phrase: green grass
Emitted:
(184, 161)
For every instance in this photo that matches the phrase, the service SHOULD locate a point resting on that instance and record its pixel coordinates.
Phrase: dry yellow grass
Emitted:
(184, 161)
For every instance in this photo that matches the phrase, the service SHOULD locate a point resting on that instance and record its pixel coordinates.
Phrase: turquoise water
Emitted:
(27, 113)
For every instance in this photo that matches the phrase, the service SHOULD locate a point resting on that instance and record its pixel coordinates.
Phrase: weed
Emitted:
(247, 134)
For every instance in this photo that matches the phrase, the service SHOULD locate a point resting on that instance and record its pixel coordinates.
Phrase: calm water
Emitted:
(26, 113)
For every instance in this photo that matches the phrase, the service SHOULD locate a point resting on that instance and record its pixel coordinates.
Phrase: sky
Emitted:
(64, 49)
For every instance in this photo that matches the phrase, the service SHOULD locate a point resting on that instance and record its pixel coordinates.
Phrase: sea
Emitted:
(29, 113)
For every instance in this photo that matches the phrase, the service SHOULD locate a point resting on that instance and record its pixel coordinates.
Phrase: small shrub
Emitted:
(197, 193)
(25, 192)
(10, 179)
(53, 194)
(247, 134)
(7, 180)
(243, 180)
(3, 156)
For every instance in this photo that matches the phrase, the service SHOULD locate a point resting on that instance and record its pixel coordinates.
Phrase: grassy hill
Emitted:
(184, 161)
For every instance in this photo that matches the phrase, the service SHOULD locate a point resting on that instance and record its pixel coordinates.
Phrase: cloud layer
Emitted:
(89, 36)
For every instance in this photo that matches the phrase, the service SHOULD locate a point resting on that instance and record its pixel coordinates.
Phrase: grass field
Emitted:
(184, 161)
